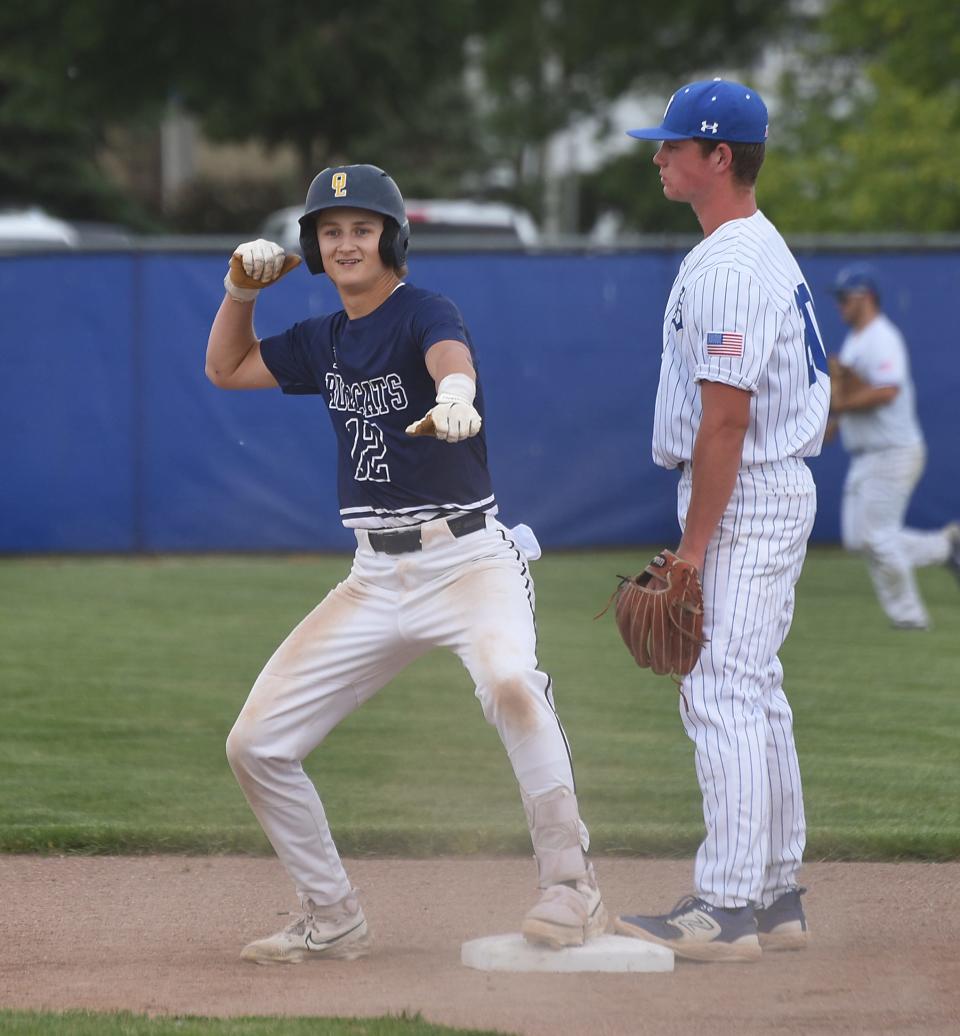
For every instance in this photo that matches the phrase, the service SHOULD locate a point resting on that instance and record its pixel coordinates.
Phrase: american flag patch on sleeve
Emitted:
(724, 343)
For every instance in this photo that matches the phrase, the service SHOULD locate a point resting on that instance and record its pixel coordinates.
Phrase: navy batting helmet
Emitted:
(359, 187)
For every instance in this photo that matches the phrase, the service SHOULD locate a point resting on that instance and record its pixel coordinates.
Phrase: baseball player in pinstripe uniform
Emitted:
(743, 399)
(879, 429)
(433, 566)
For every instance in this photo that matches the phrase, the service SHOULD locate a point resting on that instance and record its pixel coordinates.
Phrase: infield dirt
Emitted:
(161, 935)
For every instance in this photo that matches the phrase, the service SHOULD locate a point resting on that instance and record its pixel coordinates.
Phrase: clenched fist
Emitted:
(255, 265)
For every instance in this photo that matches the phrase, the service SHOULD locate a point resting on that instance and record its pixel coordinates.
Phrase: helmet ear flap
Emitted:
(309, 245)
(394, 240)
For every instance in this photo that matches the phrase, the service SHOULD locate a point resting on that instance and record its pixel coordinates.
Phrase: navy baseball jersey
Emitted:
(372, 375)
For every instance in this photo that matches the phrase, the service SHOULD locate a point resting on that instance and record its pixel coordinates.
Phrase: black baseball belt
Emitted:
(406, 541)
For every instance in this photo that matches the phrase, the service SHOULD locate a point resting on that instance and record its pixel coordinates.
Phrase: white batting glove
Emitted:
(454, 418)
(253, 266)
(455, 421)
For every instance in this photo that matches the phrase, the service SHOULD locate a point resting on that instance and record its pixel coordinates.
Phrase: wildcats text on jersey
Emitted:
(373, 378)
(371, 397)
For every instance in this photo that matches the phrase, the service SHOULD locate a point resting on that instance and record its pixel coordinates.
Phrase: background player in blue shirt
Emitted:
(433, 566)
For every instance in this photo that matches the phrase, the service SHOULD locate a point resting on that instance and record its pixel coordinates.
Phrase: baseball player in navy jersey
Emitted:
(433, 566)
(743, 399)
(879, 429)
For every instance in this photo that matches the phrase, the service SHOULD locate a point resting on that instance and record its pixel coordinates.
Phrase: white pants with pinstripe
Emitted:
(876, 495)
(473, 595)
(733, 705)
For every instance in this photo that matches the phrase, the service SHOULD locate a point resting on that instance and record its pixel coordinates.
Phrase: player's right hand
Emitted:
(255, 265)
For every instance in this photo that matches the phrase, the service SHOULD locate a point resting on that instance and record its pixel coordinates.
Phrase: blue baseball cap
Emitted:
(713, 109)
(859, 278)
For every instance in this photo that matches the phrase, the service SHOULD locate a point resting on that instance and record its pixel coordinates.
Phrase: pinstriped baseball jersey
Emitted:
(740, 313)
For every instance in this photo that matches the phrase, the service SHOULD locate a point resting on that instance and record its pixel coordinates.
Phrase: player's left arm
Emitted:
(454, 417)
(859, 395)
(717, 452)
(876, 378)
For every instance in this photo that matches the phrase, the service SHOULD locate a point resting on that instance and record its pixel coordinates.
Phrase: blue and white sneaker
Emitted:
(699, 931)
(783, 926)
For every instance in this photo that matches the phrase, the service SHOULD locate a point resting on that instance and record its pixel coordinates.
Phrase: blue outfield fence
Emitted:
(112, 439)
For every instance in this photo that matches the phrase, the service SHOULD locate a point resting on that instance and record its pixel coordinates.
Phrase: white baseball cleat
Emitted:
(567, 914)
(337, 932)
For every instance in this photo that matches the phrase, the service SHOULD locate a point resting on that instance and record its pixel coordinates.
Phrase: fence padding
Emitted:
(112, 439)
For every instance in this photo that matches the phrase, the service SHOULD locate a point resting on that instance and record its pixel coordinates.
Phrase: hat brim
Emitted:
(856, 289)
(656, 133)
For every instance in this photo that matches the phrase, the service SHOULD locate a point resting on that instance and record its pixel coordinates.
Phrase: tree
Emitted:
(49, 142)
(545, 63)
(359, 82)
(867, 134)
(450, 94)
(919, 40)
(865, 127)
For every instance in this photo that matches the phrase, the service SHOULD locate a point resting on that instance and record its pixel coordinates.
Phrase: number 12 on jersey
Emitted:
(368, 451)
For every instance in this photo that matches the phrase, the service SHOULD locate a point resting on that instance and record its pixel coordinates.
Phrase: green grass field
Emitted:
(89, 1023)
(121, 678)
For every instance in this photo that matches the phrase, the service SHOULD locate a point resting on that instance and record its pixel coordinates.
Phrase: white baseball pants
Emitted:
(733, 705)
(473, 595)
(876, 495)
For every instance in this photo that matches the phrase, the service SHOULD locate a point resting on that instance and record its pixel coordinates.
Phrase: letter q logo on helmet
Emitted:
(359, 187)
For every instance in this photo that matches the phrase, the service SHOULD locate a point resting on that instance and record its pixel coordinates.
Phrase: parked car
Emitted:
(489, 221)
(433, 223)
(102, 235)
(33, 226)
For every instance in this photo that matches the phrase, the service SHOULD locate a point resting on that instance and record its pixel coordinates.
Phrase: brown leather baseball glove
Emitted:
(844, 383)
(660, 615)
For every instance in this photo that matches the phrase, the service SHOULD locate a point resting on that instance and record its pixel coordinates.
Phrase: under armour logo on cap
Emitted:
(700, 109)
